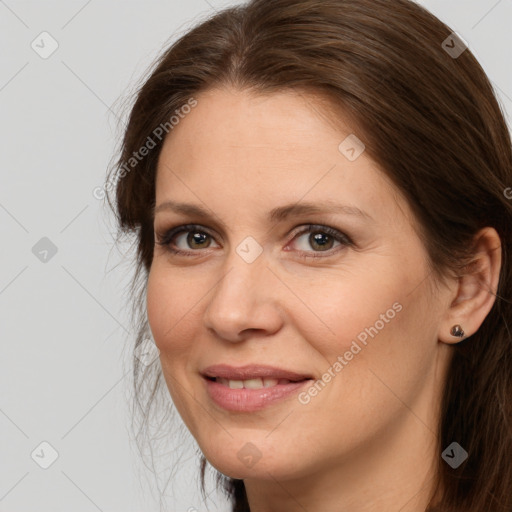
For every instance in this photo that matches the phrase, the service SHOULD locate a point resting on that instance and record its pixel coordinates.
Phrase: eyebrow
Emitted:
(277, 214)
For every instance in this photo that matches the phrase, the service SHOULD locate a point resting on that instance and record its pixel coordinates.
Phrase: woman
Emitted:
(319, 194)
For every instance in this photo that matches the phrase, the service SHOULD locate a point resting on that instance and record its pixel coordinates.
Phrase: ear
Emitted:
(476, 288)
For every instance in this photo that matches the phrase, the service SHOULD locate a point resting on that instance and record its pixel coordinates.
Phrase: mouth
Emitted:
(251, 388)
(252, 376)
(254, 383)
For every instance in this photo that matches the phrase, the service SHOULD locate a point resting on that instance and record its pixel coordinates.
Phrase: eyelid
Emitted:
(339, 236)
(313, 228)
(167, 235)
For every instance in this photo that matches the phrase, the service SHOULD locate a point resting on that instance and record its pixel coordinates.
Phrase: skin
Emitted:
(367, 440)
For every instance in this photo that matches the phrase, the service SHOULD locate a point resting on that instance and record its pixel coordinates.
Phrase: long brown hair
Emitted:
(429, 118)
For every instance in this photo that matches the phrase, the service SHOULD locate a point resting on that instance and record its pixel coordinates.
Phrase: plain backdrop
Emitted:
(64, 324)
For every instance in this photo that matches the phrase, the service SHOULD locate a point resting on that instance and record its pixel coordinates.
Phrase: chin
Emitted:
(242, 460)
(260, 471)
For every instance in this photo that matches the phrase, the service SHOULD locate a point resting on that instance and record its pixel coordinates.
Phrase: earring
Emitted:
(457, 331)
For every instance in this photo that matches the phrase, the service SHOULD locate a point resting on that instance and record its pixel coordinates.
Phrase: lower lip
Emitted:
(250, 400)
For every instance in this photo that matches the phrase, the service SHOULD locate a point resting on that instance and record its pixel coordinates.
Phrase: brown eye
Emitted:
(192, 238)
(320, 239)
(199, 238)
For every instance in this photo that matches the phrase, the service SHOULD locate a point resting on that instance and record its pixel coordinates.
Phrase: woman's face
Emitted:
(348, 305)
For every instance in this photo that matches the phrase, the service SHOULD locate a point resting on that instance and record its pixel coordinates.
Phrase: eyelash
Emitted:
(166, 238)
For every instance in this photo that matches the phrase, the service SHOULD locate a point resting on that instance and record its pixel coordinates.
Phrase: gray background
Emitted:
(64, 321)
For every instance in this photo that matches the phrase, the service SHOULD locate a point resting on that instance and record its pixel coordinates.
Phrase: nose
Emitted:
(244, 301)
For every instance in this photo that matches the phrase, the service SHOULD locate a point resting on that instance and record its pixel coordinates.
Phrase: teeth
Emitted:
(251, 383)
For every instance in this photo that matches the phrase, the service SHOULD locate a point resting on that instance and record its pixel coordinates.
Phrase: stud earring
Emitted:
(457, 331)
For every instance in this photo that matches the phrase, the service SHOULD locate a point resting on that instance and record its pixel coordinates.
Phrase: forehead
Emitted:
(235, 117)
(263, 150)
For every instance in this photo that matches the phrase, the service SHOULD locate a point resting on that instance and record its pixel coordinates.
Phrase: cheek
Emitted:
(170, 310)
(170, 314)
(157, 302)
(372, 321)
(349, 306)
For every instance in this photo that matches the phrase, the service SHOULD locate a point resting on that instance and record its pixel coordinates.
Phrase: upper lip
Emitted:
(252, 371)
